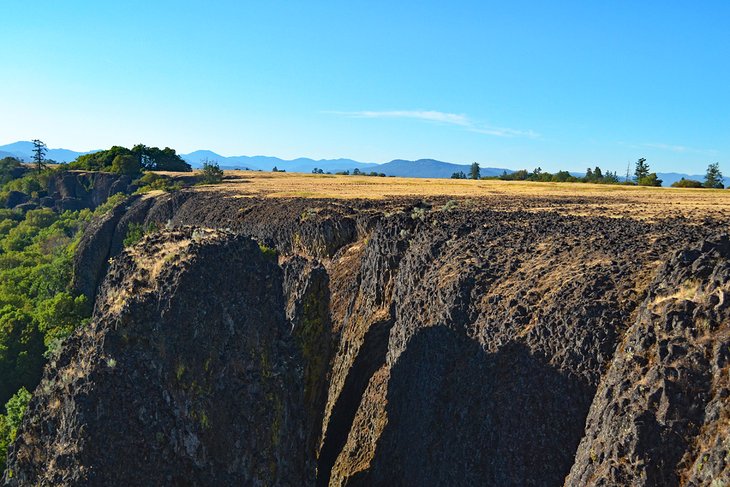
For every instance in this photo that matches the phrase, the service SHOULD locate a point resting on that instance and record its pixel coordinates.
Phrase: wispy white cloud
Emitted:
(456, 119)
(504, 132)
(680, 148)
(428, 115)
(671, 148)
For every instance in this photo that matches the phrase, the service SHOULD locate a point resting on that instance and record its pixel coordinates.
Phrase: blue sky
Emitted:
(562, 84)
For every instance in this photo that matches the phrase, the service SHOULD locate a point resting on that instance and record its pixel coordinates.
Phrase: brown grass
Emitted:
(609, 200)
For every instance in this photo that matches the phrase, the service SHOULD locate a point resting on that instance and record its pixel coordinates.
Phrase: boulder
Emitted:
(16, 198)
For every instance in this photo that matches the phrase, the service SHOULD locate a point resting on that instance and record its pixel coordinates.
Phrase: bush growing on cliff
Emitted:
(135, 232)
(157, 182)
(211, 173)
(10, 421)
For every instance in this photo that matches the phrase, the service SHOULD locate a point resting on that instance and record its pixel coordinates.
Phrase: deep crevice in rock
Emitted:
(370, 358)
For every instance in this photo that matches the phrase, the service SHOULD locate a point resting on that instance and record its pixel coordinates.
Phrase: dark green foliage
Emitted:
(563, 177)
(211, 173)
(317, 170)
(269, 253)
(686, 183)
(156, 159)
(31, 184)
(100, 161)
(713, 178)
(39, 154)
(641, 171)
(650, 180)
(458, 175)
(157, 182)
(37, 308)
(8, 167)
(126, 164)
(596, 176)
(474, 172)
(147, 158)
(135, 232)
(10, 421)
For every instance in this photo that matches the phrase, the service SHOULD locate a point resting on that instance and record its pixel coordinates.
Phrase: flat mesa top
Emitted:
(570, 198)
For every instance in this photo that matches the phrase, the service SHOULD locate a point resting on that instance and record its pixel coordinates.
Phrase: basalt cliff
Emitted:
(264, 341)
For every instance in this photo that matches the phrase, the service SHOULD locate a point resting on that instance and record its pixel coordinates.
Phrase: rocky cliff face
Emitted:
(187, 376)
(398, 343)
(72, 190)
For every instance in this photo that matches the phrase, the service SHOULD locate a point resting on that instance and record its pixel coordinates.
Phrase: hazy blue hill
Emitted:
(430, 168)
(24, 150)
(267, 163)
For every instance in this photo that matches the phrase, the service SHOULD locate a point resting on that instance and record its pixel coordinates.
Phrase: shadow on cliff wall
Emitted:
(460, 416)
(369, 359)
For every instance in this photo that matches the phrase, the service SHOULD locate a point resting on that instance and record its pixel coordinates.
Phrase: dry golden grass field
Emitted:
(572, 198)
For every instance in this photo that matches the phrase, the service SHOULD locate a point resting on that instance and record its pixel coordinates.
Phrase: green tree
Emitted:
(713, 178)
(474, 172)
(126, 164)
(458, 175)
(686, 183)
(39, 154)
(650, 180)
(211, 173)
(8, 168)
(641, 171)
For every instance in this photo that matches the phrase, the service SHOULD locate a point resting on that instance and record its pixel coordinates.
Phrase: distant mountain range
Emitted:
(24, 151)
(422, 168)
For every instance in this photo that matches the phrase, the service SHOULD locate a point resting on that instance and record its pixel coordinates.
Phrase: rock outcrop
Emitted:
(662, 413)
(81, 189)
(399, 343)
(187, 376)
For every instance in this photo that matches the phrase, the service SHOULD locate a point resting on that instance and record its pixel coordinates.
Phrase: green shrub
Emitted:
(157, 182)
(10, 421)
(650, 180)
(269, 253)
(686, 183)
(211, 173)
(135, 232)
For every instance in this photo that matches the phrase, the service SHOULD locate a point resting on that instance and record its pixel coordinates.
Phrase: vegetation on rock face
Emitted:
(38, 310)
(135, 232)
(8, 166)
(157, 182)
(10, 421)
